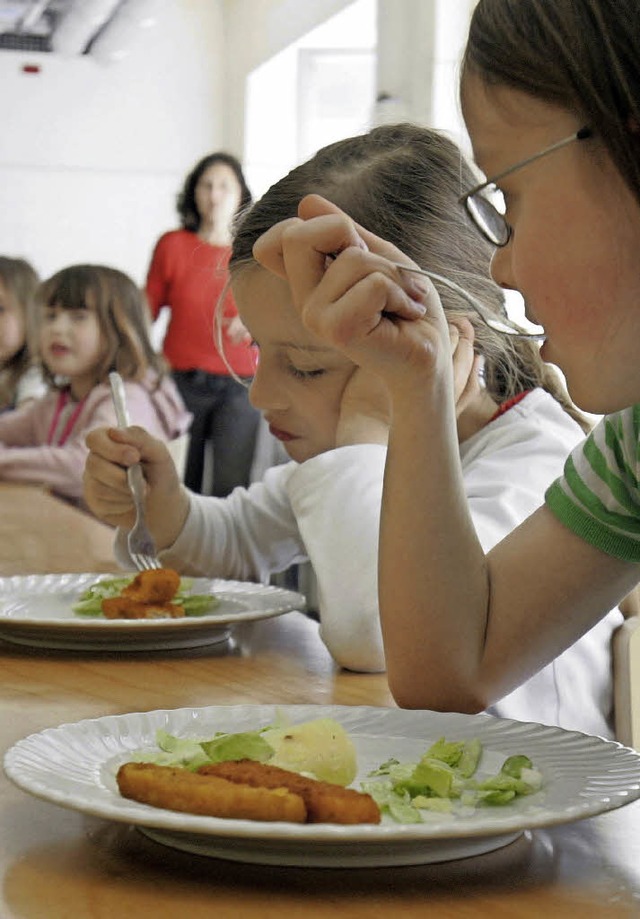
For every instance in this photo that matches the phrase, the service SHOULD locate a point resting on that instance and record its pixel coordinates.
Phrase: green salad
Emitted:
(445, 781)
(89, 603)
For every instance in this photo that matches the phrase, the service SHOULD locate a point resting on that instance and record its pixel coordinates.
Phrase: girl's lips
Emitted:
(57, 350)
(281, 435)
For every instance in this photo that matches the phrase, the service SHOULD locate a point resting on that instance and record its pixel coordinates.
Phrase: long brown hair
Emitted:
(402, 182)
(582, 55)
(122, 313)
(21, 283)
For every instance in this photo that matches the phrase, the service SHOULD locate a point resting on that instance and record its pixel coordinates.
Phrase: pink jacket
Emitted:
(29, 454)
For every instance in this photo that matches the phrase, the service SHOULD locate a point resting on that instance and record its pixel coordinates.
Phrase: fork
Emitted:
(493, 322)
(142, 548)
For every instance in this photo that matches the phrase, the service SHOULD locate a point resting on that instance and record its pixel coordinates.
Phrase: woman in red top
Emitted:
(188, 273)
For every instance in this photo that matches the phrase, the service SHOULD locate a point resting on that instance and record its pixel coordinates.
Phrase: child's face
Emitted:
(299, 381)
(12, 328)
(574, 250)
(72, 345)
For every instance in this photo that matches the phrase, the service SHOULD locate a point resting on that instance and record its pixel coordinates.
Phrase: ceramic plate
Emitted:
(74, 765)
(36, 610)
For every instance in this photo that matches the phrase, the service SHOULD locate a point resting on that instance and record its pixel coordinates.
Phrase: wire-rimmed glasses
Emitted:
(485, 202)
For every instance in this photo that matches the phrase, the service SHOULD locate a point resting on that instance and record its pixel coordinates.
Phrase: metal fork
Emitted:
(142, 548)
(494, 322)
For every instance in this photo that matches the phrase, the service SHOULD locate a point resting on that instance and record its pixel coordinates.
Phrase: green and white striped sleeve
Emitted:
(598, 497)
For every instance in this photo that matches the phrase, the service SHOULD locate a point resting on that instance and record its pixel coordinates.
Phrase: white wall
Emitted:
(257, 30)
(420, 44)
(297, 102)
(92, 155)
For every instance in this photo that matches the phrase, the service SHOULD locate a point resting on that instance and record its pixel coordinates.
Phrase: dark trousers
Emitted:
(223, 417)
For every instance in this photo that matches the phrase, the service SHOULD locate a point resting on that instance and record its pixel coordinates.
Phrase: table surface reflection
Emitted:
(57, 863)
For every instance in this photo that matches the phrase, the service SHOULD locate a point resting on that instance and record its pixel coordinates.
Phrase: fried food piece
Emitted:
(180, 790)
(159, 585)
(325, 802)
(124, 608)
(148, 596)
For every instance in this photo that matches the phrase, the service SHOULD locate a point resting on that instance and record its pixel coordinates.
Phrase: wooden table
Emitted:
(59, 864)
(41, 534)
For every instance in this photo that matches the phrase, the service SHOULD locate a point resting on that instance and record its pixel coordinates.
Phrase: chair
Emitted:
(178, 448)
(626, 672)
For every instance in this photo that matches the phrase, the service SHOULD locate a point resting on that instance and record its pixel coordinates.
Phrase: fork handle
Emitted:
(135, 478)
(119, 400)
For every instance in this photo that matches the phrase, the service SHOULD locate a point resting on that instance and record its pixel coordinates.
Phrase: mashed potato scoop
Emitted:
(321, 748)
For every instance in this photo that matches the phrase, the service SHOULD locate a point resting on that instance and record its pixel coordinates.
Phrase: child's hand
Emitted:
(350, 295)
(365, 411)
(106, 491)
(466, 365)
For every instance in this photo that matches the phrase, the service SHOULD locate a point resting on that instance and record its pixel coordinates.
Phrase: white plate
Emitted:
(36, 610)
(74, 765)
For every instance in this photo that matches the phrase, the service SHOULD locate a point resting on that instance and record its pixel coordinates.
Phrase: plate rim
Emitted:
(134, 813)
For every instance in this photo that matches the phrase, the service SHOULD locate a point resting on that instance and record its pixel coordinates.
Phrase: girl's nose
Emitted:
(501, 267)
(59, 320)
(265, 393)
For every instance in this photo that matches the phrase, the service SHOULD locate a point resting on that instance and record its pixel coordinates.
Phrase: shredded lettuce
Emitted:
(90, 601)
(444, 781)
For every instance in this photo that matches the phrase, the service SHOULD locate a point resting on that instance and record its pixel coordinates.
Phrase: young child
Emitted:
(551, 99)
(515, 430)
(20, 378)
(92, 320)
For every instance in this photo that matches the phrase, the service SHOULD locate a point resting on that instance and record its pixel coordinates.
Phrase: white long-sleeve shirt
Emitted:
(327, 510)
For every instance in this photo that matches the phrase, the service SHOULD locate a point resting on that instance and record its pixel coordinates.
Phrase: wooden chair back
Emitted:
(626, 672)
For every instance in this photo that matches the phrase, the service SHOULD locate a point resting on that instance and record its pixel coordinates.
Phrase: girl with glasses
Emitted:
(513, 429)
(462, 628)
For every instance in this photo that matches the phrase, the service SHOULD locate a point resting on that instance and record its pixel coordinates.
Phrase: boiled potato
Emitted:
(321, 748)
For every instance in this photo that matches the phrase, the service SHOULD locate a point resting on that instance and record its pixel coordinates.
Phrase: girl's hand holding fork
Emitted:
(106, 491)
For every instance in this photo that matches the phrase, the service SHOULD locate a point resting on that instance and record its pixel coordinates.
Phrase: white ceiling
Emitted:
(29, 24)
(66, 26)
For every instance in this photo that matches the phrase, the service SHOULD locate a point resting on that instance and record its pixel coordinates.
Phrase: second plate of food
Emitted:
(38, 611)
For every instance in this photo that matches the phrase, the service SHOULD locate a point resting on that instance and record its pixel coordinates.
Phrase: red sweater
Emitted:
(188, 275)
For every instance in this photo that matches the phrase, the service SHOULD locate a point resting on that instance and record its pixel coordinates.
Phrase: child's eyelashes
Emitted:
(300, 374)
(75, 315)
(287, 365)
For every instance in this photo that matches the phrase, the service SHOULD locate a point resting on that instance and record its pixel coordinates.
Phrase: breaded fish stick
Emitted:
(126, 608)
(159, 585)
(325, 802)
(180, 790)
